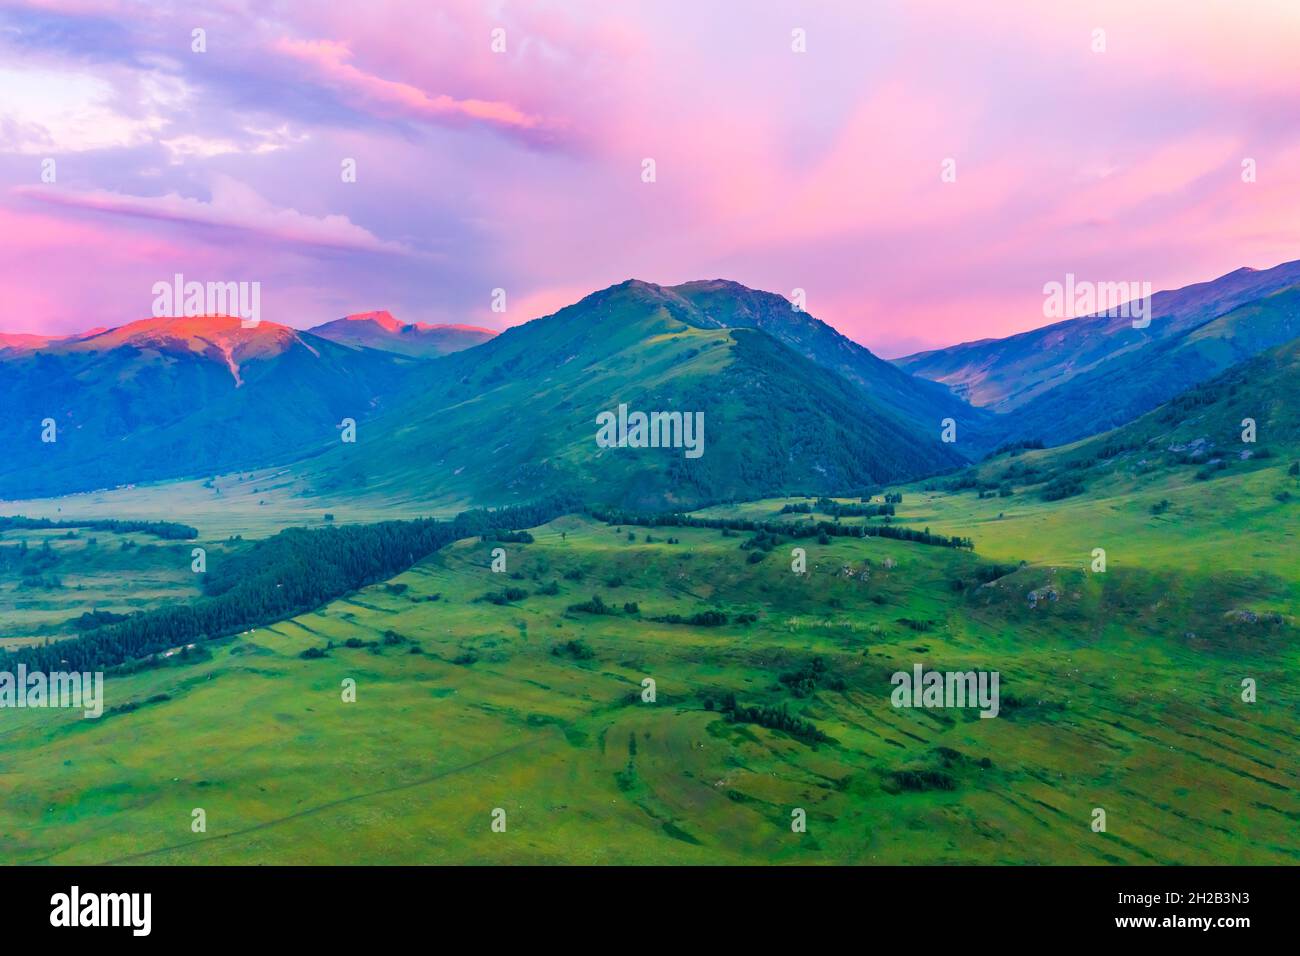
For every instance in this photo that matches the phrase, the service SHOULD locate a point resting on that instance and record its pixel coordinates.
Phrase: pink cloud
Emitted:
(780, 170)
(233, 205)
(330, 59)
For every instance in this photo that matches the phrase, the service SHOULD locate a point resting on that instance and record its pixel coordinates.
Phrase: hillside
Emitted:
(516, 417)
(1177, 488)
(379, 330)
(920, 403)
(171, 397)
(1128, 386)
(1201, 426)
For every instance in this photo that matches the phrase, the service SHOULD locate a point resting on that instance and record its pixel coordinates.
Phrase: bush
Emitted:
(1065, 486)
(578, 650)
(1206, 473)
(595, 606)
(505, 597)
(700, 619)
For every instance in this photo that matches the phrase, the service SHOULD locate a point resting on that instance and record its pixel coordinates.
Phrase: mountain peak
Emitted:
(382, 317)
(222, 337)
(185, 328)
(381, 330)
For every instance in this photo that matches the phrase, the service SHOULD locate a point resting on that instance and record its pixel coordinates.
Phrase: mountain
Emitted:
(1130, 385)
(19, 341)
(1198, 434)
(1204, 423)
(1003, 374)
(517, 417)
(27, 342)
(379, 330)
(177, 396)
(922, 404)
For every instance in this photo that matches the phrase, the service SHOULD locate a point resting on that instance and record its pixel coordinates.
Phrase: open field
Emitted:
(78, 570)
(1232, 525)
(1122, 693)
(254, 504)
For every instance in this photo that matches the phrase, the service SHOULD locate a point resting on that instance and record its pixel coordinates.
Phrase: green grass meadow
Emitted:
(1122, 692)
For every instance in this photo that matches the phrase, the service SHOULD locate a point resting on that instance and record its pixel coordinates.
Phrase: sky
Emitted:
(920, 169)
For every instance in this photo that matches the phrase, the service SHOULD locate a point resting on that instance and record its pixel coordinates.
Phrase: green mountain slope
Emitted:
(915, 400)
(1178, 487)
(516, 417)
(1203, 425)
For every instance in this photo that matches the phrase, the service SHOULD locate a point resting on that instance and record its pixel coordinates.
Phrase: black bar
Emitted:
(335, 905)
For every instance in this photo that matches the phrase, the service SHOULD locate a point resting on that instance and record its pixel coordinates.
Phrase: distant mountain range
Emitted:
(789, 404)
(1082, 376)
(379, 330)
(162, 398)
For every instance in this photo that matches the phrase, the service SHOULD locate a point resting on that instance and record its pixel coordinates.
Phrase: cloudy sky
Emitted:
(522, 169)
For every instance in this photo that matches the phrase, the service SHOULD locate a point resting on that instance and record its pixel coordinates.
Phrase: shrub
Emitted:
(577, 649)
(1065, 486)
(595, 606)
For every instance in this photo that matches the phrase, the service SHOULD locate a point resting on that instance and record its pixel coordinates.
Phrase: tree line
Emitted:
(294, 571)
(798, 529)
(167, 530)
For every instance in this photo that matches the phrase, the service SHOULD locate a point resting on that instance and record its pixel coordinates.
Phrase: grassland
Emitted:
(1235, 524)
(1122, 692)
(253, 504)
(83, 571)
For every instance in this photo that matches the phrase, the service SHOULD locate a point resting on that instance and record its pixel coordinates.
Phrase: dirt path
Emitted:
(134, 857)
